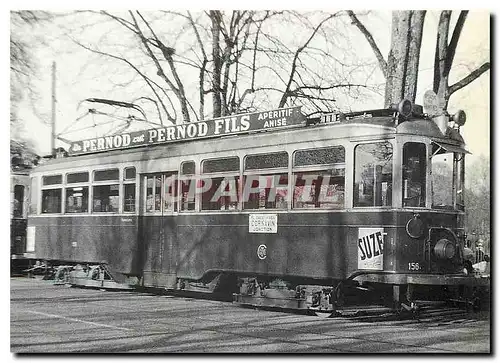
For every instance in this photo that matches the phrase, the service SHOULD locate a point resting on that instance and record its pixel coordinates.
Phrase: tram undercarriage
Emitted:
(402, 293)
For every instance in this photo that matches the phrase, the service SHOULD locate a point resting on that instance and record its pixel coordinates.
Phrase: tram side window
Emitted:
(153, 193)
(414, 171)
(106, 198)
(188, 194)
(170, 192)
(188, 186)
(77, 178)
(267, 161)
(220, 192)
(52, 179)
(77, 200)
(373, 175)
(161, 192)
(266, 190)
(324, 187)
(18, 207)
(322, 156)
(129, 190)
(77, 197)
(108, 174)
(51, 200)
(320, 189)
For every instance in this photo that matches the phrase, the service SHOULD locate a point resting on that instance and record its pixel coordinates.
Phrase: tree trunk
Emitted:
(440, 65)
(396, 61)
(404, 56)
(413, 61)
(217, 61)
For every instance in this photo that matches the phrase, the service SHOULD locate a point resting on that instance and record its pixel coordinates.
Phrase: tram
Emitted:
(278, 209)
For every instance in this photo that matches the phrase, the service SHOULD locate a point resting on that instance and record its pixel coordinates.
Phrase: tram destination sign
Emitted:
(229, 125)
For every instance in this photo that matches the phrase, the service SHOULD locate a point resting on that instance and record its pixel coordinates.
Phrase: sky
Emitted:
(82, 75)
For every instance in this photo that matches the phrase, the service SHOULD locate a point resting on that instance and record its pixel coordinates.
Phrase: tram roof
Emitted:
(363, 125)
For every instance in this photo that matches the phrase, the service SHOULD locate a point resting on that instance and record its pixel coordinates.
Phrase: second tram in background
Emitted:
(278, 209)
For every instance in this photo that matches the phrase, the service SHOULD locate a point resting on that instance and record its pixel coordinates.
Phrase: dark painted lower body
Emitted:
(307, 247)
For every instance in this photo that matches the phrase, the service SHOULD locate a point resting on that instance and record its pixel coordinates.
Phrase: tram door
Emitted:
(159, 201)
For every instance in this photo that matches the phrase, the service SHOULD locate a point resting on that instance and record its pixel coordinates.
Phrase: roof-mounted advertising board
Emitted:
(229, 125)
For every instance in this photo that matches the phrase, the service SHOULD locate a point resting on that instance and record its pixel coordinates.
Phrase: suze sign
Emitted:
(228, 125)
(371, 248)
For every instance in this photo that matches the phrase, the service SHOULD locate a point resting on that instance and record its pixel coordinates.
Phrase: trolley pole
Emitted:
(53, 124)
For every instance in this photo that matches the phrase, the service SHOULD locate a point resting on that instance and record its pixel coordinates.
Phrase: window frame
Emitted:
(109, 182)
(426, 187)
(266, 172)
(163, 176)
(87, 184)
(224, 174)
(124, 182)
(59, 187)
(318, 168)
(394, 158)
(457, 178)
(318, 148)
(249, 171)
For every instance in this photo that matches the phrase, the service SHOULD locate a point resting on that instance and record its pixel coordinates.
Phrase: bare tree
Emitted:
(23, 69)
(444, 56)
(238, 58)
(401, 68)
(478, 198)
(23, 66)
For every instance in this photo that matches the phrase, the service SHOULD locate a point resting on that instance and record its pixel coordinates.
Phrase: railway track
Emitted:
(439, 313)
(429, 312)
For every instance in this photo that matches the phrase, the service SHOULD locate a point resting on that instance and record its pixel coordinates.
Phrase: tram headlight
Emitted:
(444, 249)
(459, 118)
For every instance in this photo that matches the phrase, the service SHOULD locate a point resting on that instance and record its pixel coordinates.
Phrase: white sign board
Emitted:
(30, 240)
(263, 223)
(371, 248)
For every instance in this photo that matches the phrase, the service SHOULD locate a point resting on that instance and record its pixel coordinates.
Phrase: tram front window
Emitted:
(373, 175)
(447, 179)
(414, 170)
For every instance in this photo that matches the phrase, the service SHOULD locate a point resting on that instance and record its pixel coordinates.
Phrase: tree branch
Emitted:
(179, 90)
(440, 53)
(470, 78)
(296, 57)
(148, 81)
(371, 41)
(202, 69)
(454, 40)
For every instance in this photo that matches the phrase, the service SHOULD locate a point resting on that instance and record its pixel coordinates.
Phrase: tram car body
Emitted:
(383, 207)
